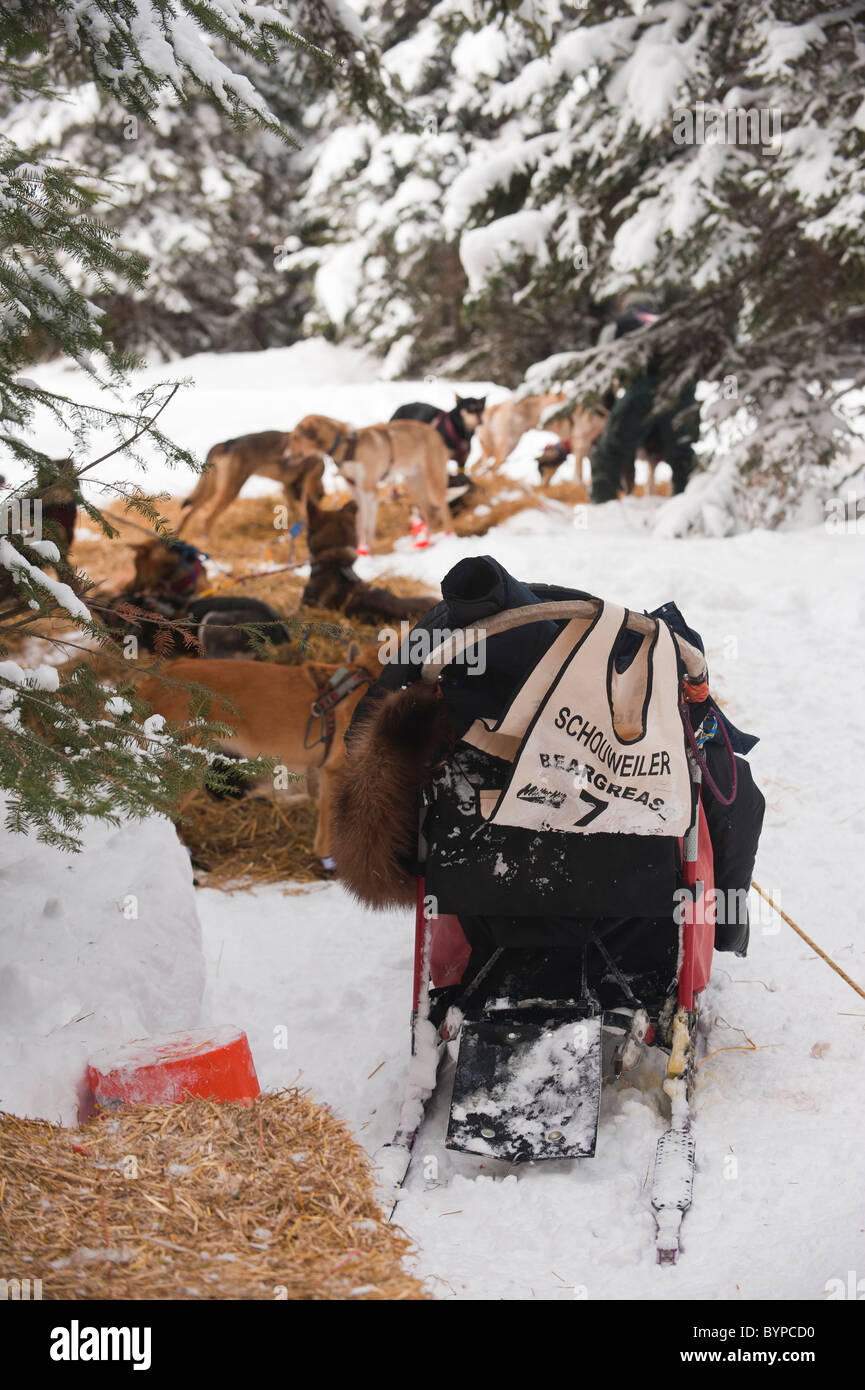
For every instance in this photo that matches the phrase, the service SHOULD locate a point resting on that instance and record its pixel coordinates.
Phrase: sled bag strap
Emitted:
(502, 740)
(695, 743)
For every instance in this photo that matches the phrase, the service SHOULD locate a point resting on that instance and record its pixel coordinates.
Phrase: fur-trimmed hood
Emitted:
(393, 753)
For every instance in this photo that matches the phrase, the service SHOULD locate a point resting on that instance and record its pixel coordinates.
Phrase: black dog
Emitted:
(456, 426)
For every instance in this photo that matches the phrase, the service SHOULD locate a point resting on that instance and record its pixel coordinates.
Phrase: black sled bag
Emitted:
(477, 868)
(508, 835)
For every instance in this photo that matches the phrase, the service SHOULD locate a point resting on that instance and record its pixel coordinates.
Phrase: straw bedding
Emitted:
(255, 840)
(273, 1201)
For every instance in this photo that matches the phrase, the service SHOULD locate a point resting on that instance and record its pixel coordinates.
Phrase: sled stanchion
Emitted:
(393, 1159)
(421, 929)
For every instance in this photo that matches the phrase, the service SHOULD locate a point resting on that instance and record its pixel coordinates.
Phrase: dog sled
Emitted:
(564, 892)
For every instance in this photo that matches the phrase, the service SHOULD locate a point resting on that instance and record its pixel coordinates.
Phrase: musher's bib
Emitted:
(594, 751)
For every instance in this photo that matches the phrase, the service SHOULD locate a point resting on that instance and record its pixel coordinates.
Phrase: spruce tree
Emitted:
(71, 747)
(713, 153)
(209, 202)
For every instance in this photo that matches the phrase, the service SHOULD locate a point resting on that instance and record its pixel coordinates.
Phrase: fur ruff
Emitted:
(393, 753)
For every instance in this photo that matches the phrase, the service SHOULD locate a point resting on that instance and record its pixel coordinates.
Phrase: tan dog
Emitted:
(504, 425)
(366, 456)
(271, 713)
(230, 464)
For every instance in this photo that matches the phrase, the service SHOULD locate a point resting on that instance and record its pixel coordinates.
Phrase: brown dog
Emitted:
(629, 472)
(269, 708)
(504, 425)
(366, 456)
(166, 569)
(230, 464)
(332, 583)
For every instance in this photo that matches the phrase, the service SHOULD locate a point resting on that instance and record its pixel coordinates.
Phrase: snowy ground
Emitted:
(777, 1203)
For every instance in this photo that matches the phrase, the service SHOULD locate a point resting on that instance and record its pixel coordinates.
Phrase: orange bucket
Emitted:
(211, 1063)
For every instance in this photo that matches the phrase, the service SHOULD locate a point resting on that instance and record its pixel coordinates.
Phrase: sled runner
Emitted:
(586, 793)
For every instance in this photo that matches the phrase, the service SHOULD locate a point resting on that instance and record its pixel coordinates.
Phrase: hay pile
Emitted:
(253, 840)
(274, 1201)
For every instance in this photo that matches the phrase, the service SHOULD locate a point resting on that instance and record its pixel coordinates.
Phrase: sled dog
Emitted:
(503, 426)
(456, 426)
(365, 457)
(269, 708)
(333, 583)
(231, 463)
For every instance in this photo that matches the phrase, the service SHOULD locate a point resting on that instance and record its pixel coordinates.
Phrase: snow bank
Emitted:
(706, 507)
(95, 948)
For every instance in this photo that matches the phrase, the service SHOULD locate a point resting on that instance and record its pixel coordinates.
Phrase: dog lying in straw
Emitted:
(295, 714)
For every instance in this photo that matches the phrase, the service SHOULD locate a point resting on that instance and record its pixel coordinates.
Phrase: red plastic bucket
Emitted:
(212, 1063)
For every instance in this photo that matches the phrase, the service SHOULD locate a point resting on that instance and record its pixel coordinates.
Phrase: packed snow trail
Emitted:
(780, 1168)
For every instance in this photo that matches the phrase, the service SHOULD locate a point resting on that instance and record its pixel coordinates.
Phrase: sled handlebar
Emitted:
(456, 644)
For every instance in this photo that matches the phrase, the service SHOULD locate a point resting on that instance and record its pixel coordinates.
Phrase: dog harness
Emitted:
(331, 693)
(347, 571)
(190, 568)
(459, 447)
(350, 441)
(554, 454)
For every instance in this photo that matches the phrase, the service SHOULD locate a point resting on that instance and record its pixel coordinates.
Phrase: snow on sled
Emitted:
(566, 863)
(527, 1083)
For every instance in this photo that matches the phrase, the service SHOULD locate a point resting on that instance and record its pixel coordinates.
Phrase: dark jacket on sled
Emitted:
(513, 887)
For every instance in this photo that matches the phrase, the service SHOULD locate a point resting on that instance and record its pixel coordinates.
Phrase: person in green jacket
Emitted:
(633, 424)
